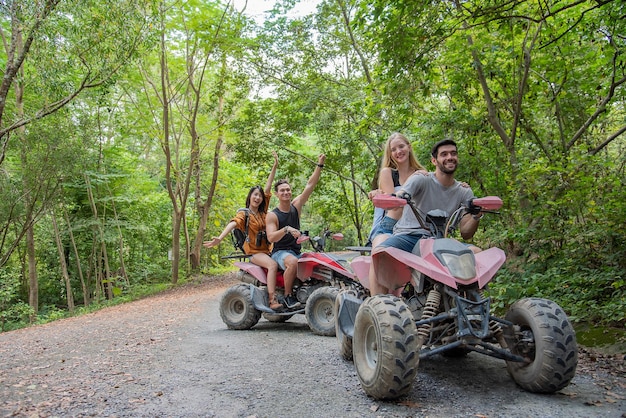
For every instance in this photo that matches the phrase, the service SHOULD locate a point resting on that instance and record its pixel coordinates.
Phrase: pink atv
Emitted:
(439, 306)
(319, 279)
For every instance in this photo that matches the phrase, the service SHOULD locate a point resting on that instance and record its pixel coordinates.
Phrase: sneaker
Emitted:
(291, 302)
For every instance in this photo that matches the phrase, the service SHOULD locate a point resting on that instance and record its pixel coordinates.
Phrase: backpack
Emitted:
(239, 236)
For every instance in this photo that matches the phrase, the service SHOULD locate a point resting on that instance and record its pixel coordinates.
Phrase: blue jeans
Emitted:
(280, 255)
(405, 242)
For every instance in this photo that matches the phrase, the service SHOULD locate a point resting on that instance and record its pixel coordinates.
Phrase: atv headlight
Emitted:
(461, 266)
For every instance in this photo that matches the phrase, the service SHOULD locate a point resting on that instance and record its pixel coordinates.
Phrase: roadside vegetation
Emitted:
(131, 131)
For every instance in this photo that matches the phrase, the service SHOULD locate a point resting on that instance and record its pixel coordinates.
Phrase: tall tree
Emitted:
(50, 56)
(195, 99)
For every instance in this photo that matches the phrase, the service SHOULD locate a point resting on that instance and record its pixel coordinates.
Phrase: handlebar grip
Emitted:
(488, 202)
(386, 201)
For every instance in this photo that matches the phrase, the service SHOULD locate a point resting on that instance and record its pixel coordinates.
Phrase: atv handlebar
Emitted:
(338, 236)
(318, 242)
(389, 201)
(484, 204)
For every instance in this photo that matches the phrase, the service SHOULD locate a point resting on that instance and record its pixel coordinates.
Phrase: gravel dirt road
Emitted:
(170, 355)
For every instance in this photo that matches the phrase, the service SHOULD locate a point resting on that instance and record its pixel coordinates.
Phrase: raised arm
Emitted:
(302, 198)
(270, 178)
(217, 240)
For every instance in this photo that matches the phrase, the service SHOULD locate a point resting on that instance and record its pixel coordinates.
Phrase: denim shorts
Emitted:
(384, 227)
(280, 255)
(405, 242)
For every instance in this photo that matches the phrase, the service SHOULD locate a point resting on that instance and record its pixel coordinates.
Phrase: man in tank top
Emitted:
(283, 228)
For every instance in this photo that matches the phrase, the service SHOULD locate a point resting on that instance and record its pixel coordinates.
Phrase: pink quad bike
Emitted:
(438, 305)
(320, 277)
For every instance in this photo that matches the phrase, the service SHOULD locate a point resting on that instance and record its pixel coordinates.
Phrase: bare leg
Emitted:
(266, 262)
(475, 249)
(291, 268)
(375, 287)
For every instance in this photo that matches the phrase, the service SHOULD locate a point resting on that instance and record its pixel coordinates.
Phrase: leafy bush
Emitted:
(587, 295)
(13, 312)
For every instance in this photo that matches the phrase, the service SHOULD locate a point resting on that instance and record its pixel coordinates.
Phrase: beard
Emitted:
(446, 169)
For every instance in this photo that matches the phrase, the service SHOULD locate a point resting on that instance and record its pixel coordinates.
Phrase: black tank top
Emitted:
(292, 219)
(395, 175)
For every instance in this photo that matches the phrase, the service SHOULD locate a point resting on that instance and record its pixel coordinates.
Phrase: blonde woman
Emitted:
(399, 163)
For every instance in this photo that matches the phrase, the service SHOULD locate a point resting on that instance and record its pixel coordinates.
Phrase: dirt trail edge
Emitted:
(171, 356)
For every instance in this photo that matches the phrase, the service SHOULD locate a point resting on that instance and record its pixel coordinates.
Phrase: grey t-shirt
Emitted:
(429, 194)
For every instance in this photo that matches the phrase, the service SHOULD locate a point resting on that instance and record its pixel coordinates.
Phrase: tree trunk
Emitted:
(204, 208)
(176, 221)
(86, 300)
(100, 238)
(33, 282)
(122, 270)
(63, 264)
(165, 144)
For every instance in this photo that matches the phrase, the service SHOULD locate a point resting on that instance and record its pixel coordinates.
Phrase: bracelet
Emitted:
(320, 165)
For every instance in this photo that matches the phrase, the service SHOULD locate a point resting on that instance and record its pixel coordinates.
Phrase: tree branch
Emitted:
(328, 169)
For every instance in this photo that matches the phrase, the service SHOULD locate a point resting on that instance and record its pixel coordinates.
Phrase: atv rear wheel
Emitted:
(385, 344)
(236, 308)
(546, 338)
(345, 341)
(320, 311)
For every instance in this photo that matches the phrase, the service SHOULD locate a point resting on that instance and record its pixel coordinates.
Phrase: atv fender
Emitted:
(397, 264)
(255, 271)
(361, 267)
(309, 262)
(346, 315)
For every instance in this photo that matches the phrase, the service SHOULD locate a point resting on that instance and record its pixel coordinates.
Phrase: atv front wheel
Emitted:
(320, 311)
(386, 351)
(236, 308)
(546, 338)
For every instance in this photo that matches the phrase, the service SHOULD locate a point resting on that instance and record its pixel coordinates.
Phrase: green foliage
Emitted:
(588, 295)
(572, 249)
(532, 93)
(13, 312)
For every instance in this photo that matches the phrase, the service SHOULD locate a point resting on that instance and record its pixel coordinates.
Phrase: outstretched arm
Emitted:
(217, 240)
(301, 199)
(270, 178)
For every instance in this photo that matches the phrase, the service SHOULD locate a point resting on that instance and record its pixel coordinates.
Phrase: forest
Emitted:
(132, 130)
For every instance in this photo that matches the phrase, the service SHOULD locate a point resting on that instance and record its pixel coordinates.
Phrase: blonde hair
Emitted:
(389, 162)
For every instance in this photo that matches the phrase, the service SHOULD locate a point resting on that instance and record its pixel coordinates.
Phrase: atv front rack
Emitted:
(472, 330)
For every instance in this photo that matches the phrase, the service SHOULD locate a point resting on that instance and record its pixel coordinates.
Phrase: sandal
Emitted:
(275, 305)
